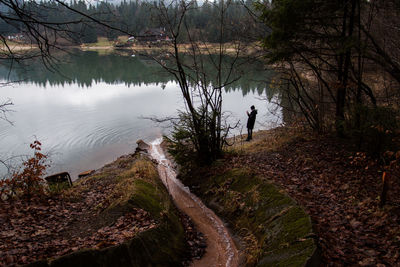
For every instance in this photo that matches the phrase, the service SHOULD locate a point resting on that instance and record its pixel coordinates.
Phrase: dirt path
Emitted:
(221, 250)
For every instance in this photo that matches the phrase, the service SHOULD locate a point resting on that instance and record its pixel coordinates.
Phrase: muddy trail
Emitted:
(221, 250)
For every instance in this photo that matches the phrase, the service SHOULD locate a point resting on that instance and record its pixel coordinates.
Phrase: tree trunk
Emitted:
(344, 73)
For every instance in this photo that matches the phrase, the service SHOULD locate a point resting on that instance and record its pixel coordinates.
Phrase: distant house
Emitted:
(153, 35)
(16, 37)
(127, 43)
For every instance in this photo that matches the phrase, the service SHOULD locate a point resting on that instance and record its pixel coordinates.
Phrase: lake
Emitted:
(94, 107)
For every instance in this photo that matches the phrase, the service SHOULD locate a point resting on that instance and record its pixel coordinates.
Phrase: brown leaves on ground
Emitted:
(195, 240)
(340, 190)
(54, 226)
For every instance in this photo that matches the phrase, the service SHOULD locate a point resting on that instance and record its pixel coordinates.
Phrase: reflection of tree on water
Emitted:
(88, 68)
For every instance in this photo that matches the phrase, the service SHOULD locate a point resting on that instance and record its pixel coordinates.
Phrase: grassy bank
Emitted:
(204, 48)
(104, 45)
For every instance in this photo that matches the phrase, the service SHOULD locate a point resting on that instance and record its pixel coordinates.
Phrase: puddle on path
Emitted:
(221, 250)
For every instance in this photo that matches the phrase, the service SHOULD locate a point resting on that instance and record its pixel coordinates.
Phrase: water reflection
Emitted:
(88, 68)
(94, 111)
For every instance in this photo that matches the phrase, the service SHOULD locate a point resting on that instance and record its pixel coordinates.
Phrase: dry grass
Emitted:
(102, 42)
(205, 48)
(252, 249)
(16, 47)
(120, 180)
(106, 46)
(266, 140)
(125, 182)
(141, 169)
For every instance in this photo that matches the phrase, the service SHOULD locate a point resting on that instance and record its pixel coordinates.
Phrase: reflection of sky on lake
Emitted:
(85, 127)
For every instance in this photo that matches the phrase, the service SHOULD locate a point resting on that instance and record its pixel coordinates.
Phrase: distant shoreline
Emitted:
(207, 48)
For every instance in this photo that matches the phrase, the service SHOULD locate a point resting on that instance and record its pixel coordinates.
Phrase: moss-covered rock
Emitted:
(136, 187)
(274, 230)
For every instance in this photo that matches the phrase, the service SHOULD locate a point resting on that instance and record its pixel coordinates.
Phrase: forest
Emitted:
(130, 17)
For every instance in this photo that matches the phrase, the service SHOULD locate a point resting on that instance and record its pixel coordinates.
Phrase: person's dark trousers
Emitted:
(249, 134)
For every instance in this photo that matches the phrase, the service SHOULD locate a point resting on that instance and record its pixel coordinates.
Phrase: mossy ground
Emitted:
(273, 229)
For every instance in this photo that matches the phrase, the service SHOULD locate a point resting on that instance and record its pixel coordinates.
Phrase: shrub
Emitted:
(29, 181)
(374, 128)
(180, 144)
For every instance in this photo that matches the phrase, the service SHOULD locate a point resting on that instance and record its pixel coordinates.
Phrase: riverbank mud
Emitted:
(221, 249)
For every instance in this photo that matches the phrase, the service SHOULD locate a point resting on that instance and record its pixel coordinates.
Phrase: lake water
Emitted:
(94, 109)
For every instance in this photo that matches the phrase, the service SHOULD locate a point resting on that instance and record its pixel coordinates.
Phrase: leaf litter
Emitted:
(340, 190)
(54, 225)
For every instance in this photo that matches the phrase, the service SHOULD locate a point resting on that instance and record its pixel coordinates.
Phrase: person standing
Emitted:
(250, 122)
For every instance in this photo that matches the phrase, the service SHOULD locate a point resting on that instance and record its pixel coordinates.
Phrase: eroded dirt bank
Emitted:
(221, 250)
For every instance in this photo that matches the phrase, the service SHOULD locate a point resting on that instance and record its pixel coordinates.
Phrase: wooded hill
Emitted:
(131, 17)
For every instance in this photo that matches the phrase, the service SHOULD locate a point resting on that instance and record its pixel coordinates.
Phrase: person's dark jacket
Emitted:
(252, 119)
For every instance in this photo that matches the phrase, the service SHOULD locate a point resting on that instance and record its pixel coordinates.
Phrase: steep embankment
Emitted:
(338, 186)
(221, 250)
(272, 228)
(120, 216)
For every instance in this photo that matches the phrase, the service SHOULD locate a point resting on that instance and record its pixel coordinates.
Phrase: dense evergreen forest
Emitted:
(132, 18)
